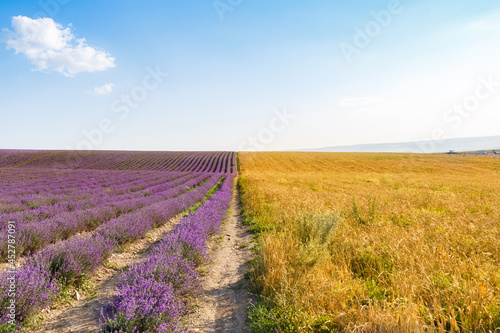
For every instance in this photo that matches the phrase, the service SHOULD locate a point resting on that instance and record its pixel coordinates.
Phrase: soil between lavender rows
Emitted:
(225, 298)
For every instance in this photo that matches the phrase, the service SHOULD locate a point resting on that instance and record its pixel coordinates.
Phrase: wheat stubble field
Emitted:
(373, 242)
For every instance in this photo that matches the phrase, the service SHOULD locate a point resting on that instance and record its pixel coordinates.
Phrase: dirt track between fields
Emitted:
(225, 297)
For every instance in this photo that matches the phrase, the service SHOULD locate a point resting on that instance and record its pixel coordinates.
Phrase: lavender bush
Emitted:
(67, 262)
(35, 289)
(152, 294)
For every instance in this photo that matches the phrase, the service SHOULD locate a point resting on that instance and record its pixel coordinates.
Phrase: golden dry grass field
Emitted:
(373, 242)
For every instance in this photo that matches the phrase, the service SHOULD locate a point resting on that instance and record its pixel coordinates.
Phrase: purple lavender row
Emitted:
(106, 160)
(33, 236)
(122, 183)
(41, 179)
(96, 199)
(76, 159)
(36, 235)
(53, 194)
(80, 197)
(154, 294)
(43, 275)
(45, 212)
(61, 186)
(126, 229)
(79, 160)
(29, 202)
(13, 177)
(18, 156)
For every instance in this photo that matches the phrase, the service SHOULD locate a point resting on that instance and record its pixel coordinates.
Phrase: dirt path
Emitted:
(83, 316)
(225, 298)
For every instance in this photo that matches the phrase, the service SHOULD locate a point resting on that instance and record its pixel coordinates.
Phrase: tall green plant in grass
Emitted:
(309, 235)
(313, 232)
(367, 215)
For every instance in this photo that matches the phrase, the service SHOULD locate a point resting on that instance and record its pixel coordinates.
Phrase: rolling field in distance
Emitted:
(373, 242)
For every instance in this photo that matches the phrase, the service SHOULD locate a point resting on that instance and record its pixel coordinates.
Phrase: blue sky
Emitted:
(260, 75)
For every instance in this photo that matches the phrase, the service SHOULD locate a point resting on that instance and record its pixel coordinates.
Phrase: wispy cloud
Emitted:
(360, 101)
(479, 25)
(486, 23)
(102, 90)
(50, 47)
(373, 110)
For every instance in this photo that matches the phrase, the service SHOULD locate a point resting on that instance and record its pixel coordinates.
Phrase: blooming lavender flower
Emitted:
(34, 290)
(69, 261)
(152, 295)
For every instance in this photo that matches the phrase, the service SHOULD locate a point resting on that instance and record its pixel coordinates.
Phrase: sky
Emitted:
(246, 75)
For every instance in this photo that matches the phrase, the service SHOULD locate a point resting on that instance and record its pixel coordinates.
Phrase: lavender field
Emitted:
(64, 213)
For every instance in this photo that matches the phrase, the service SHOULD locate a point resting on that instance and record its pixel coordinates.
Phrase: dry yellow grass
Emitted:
(374, 242)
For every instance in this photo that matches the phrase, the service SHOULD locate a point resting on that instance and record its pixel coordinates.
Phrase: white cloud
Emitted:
(103, 90)
(50, 47)
(360, 101)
